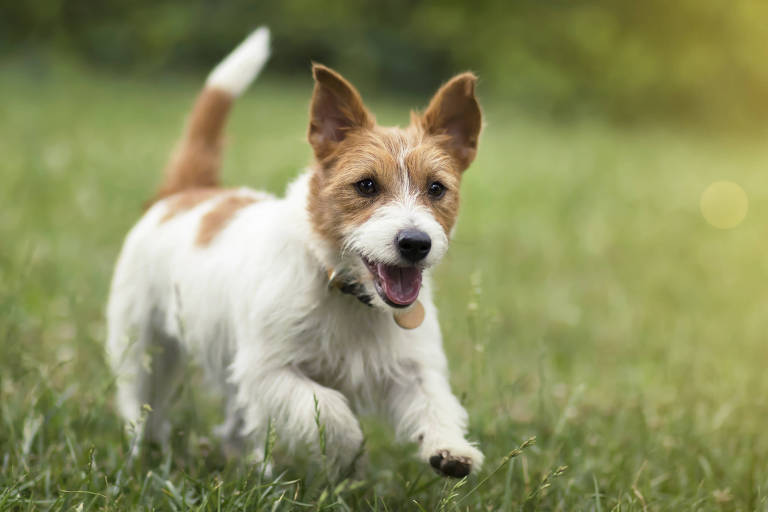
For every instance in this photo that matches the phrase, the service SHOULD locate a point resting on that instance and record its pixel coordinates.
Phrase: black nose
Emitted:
(414, 245)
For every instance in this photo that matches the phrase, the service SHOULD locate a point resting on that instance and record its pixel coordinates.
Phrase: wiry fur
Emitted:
(251, 302)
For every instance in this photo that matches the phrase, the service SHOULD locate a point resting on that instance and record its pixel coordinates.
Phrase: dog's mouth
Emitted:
(397, 286)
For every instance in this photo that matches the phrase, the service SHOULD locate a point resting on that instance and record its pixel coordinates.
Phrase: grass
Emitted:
(585, 302)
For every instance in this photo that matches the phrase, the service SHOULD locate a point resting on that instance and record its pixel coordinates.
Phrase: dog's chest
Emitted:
(347, 345)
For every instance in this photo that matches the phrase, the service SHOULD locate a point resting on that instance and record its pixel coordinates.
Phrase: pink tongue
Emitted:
(400, 284)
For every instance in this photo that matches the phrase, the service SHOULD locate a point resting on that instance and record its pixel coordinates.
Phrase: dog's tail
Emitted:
(197, 159)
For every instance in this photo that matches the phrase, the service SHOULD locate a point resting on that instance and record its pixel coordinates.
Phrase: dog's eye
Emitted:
(367, 187)
(436, 190)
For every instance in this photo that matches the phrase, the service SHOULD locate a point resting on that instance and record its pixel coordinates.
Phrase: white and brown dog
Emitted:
(316, 303)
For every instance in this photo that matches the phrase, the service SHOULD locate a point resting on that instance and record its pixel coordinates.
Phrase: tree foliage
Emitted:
(692, 59)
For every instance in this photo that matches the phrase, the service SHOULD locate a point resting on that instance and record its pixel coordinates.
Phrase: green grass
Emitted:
(584, 301)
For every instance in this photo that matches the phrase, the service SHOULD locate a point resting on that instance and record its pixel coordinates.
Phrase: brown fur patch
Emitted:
(334, 202)
(336, 109)
(426, 164)
(214, 221)
(196, 161)
(454, 114)
(188, 199)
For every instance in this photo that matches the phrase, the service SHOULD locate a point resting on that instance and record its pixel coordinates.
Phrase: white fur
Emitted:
(373, 239)
(254, 309)
(240, 67)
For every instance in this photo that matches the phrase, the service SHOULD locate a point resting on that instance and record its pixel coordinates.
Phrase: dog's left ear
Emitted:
(455, 113)
(336, 110)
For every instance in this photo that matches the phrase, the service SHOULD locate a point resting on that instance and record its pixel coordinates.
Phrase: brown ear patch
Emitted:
(336, 109)
(214, 221)
(454, 116)
(184, 201)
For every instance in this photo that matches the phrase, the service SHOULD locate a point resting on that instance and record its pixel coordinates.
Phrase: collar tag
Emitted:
(412, 318)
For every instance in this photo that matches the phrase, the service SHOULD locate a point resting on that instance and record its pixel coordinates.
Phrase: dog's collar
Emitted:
(410, 318)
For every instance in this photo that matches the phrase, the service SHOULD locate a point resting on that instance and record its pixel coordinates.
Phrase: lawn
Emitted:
(585, 302)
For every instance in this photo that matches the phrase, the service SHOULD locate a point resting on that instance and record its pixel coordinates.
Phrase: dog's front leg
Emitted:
(295, 405)
(424, 410)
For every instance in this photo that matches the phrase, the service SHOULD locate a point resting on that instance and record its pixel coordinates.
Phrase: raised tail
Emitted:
(195, 162)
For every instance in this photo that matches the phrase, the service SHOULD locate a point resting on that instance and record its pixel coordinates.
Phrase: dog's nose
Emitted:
(413, 244)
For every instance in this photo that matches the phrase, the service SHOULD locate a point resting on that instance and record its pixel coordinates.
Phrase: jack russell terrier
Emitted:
(315, 304)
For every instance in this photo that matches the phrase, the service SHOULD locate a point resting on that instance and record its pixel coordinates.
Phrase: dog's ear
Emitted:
(336, 109)
(454, 114)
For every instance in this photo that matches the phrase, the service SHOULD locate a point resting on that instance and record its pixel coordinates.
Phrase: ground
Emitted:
(585, 302)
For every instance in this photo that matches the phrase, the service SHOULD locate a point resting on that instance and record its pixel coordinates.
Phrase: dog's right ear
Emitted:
(336, 109)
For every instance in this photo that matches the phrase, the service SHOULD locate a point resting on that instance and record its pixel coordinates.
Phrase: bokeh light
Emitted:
(724, 204)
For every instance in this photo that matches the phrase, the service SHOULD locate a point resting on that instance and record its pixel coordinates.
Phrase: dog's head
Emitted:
(387, 198)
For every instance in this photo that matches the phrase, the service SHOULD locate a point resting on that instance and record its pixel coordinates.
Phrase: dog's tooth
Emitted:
(412, 318)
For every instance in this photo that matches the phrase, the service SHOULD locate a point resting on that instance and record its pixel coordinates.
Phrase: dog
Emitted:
(305, 308)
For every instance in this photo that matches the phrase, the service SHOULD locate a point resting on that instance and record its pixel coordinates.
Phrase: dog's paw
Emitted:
(344, 439)
(456, 462)
(450, 465)
(256, 460)
(345, 451)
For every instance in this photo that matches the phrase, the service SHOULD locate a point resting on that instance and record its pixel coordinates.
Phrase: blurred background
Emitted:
(604, 291)
(689, 60)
